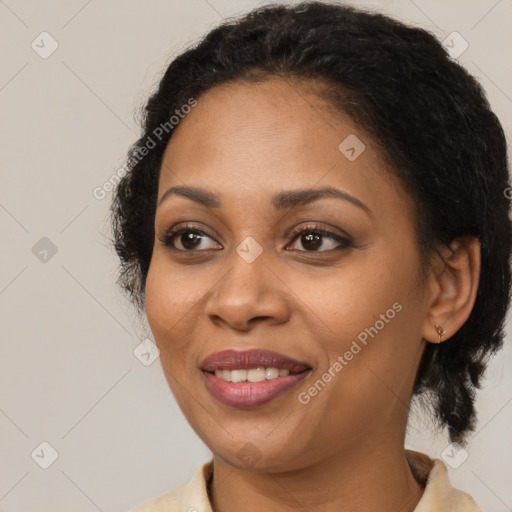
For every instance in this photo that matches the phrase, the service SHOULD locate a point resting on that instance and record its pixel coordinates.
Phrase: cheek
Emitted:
(168, 305)
(170, 318)
(369, 317)
(345, 303)
(376, 362)
(170, 294)
(156, 299)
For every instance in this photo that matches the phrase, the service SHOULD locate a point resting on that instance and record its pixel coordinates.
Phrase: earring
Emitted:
(440, 332)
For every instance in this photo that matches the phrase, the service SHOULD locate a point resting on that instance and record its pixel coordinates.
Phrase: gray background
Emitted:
(68, 373)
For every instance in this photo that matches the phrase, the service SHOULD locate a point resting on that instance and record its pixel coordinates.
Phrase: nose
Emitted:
(248, 293)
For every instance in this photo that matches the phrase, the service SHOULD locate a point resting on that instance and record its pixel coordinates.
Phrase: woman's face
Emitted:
(352, 312)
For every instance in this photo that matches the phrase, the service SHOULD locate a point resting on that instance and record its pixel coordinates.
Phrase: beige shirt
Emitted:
(439, 495)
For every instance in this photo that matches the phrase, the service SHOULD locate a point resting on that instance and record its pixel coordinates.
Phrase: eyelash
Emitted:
(345, 242)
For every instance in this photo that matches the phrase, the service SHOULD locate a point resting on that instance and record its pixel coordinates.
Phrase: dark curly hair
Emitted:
(429, 116)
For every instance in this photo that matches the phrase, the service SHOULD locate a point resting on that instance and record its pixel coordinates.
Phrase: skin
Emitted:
(246, 142)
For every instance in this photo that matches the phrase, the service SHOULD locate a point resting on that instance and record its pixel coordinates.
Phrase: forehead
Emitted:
(255, 114)
(251, 139)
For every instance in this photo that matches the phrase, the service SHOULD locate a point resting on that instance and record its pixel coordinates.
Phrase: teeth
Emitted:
(253, 375)
(238, 375)
(256, 375)
(271, 373)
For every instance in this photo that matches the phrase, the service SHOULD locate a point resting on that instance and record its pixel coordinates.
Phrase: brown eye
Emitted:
(312, 239)
(188, 237)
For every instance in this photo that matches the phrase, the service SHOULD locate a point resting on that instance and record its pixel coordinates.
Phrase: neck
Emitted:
(376, 478)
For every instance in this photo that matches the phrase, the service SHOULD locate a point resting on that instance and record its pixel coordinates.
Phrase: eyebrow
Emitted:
(285, 200)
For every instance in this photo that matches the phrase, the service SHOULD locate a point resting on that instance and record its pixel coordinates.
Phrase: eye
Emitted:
(189, 237)
(311, 238)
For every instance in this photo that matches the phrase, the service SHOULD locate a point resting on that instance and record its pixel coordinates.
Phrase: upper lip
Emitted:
(247, 359)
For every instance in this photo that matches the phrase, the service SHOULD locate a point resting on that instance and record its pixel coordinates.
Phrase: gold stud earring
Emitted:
(440, 332)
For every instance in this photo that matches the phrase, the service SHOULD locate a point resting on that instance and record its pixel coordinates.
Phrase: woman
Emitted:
(315, 222)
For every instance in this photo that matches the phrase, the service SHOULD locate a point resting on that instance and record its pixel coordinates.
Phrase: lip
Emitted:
(251, 394)
(247, 359)
(245, 395)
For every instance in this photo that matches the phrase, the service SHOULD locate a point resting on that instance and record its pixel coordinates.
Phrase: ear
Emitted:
(454, 283)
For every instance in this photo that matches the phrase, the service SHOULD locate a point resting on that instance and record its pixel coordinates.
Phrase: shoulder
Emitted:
(169, 502)
(191, 496)
(439, 495)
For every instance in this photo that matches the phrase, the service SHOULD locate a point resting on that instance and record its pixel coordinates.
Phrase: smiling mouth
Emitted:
(251, 378)
(246, 394)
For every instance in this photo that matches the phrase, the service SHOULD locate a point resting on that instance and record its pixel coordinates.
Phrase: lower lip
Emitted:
(250, 394)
